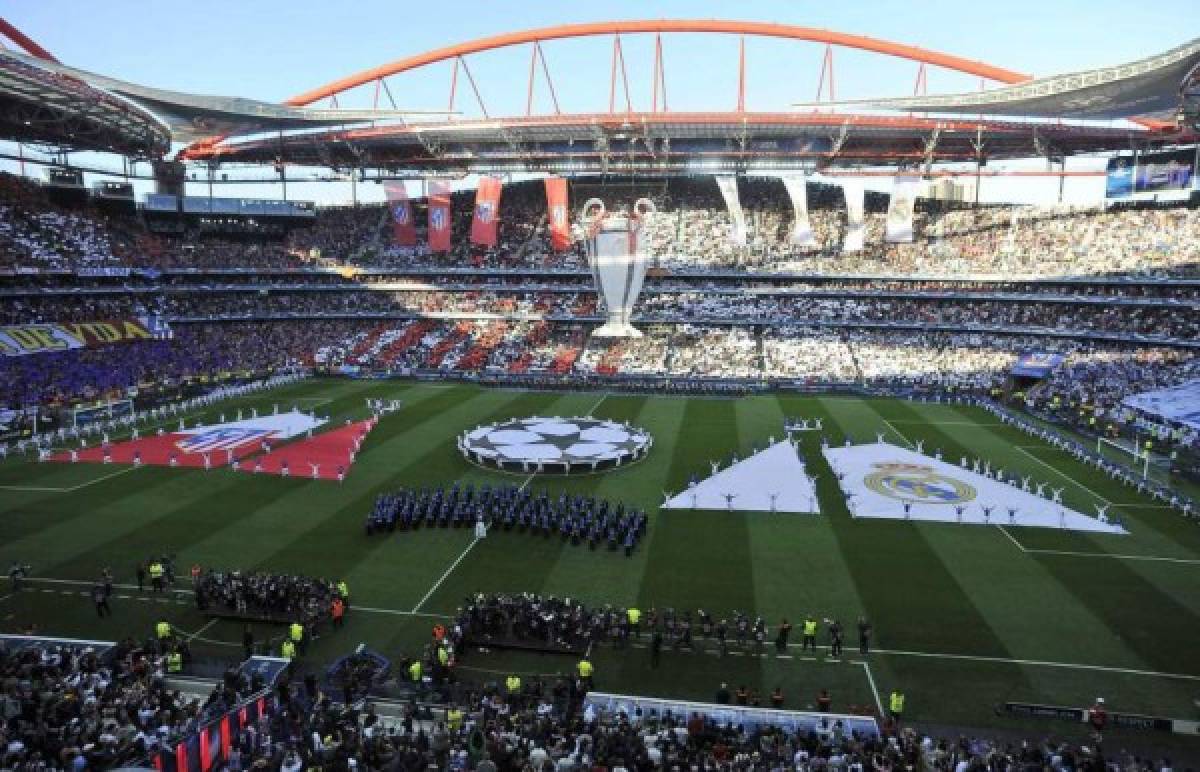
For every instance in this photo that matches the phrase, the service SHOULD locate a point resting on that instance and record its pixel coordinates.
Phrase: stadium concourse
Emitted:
(1001, 338)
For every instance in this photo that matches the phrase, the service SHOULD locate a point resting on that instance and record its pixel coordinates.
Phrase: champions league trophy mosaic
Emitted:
(617, 260)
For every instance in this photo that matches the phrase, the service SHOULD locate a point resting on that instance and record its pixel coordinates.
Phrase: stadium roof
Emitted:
(40, 105)
(192, 117)
(1146, 88)
(669, 142)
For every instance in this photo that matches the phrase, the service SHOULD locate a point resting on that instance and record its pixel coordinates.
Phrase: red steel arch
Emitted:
(754, 28)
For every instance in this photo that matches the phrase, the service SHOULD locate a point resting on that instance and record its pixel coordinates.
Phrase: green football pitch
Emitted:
(966, 617)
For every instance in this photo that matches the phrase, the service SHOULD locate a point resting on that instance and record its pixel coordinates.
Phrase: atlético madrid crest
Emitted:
(917, 483)
(484, 211)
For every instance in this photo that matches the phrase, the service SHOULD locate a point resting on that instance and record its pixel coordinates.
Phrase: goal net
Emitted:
(100, 412)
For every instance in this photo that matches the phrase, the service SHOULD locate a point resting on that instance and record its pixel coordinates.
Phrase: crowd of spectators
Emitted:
(71, 706)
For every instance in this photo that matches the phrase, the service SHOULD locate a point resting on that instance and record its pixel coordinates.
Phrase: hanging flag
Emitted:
(556, 208)
(404, 231)
(802, 232)
(487, 210)
(439, 216)
(856, 226)
(899, 227)
(729, 191)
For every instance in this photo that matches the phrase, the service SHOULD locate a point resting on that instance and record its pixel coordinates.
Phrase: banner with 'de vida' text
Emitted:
(24, 339)
(404, 230)
(856, 226)
(487, 212)
(797, 190)
(439, 216)
(556, 213)
(729, 191)
(899, 226)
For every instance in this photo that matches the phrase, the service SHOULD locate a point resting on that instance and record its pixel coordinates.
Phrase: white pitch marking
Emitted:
(592, 410)
(204, 629)
(874, 691)
(897, 431)
(1063, 475)
(449, 571)
(1185, 561)
(71, 489)
(1011, 538)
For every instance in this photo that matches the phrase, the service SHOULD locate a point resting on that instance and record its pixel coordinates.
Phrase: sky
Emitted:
(271, 50)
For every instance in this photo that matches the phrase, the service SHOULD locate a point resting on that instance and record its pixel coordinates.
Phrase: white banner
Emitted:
(856, 226)
(899, 226)
(728, 185)
(1178, 404)
(802, 232)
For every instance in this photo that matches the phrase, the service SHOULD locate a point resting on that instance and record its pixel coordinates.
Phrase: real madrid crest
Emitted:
(917, 483)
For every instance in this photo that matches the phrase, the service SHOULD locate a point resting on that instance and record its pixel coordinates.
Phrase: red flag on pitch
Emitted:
(439, 216)
(404, 231)
(487, 210)
(556, 206)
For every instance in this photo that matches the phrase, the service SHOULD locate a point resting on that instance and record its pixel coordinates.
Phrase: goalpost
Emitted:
(101, 411)
(1138, 453)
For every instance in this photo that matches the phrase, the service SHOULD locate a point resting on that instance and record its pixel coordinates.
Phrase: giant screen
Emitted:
(1148, 176)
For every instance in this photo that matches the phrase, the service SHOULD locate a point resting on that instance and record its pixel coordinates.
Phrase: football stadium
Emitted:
(539, 388)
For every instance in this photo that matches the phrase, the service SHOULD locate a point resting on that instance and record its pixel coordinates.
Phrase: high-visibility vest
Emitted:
(288, 650)
(810, 627)
(414, 672)
(585, 669)
(634, 615)
(156, 570)
(443, 656)
(163, 629)
(454, 718)
(513, 682)
(896, 702)
(174, 662)
(296, 631)
(343, 590)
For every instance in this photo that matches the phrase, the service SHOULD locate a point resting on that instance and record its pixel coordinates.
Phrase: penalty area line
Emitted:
(69, 489)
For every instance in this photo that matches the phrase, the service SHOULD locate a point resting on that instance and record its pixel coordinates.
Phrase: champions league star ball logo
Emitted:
(484, 211)
(917, 483)
(400, 213)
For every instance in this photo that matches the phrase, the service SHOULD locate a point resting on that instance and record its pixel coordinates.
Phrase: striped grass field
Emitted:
(966, 617)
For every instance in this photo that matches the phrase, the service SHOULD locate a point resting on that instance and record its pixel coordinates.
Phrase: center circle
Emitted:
(555, 445)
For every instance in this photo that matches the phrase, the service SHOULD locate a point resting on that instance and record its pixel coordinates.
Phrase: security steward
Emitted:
(163, 631)
(810, 635)
(175, 661)
(634, 616)
(512, 687)
(896, 705)
(296, 635)
(287, 650)
(585, 671)
(156, 575)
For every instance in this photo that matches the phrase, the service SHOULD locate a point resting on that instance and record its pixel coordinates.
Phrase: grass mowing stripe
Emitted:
(1000, 578)
(798, 565)
(610, 577)
(493, 557)
(898, 574)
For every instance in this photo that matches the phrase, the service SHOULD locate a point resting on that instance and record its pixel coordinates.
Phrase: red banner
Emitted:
(556, 207)
(439, 216)
(487, 211)
(404, 231)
